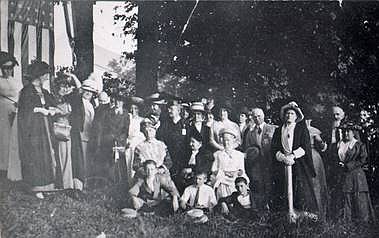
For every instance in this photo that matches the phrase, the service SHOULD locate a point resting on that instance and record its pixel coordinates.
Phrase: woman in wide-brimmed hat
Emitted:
(291, 147)
(198, 124)
(64, 84)
(151, 149)
(352, 154)
(36, 135)
(228, 164)
(81, 120)
(9, 91)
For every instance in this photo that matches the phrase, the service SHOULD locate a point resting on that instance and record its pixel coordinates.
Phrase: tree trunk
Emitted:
(147, 48)
(82, 12)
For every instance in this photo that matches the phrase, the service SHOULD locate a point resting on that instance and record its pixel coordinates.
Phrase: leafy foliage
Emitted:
(265, 54)
(122, 80)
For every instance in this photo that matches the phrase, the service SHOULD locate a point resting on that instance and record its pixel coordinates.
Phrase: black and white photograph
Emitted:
(189, 118)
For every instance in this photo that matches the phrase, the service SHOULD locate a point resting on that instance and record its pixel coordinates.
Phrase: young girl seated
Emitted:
(239, 204)
(151, 149)
(153, 192)
(228, 165)
(199, 195)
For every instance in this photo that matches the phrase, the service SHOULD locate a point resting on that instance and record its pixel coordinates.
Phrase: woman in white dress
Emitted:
(10, 88)
(228, 164)
(135, 135)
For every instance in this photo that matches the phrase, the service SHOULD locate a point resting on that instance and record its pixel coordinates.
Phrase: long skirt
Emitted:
(64, 152)
(319, 184)
(358, 207)
(5, 110)
(14, 163)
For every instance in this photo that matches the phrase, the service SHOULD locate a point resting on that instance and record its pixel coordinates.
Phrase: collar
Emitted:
(290, 125)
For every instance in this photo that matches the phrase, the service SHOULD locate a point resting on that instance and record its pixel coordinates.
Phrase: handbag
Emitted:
(62, 131)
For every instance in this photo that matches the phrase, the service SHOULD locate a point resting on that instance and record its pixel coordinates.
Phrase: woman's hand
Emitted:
(41, 110)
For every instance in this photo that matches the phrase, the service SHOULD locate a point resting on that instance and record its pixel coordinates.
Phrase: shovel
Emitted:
(292, 215)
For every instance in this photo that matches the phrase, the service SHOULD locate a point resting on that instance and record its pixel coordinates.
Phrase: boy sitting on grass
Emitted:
(150, 193)
(199, 195)
(240, 204)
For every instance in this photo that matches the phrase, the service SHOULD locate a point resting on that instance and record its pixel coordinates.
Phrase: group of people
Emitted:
(179, 156)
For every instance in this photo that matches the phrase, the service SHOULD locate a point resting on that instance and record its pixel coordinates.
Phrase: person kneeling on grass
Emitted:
(199, 195)
(151, 193)
(240, 204)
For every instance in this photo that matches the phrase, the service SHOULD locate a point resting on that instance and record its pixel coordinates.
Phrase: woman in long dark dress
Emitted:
(35, 130)
(291, 150)
(353, 155)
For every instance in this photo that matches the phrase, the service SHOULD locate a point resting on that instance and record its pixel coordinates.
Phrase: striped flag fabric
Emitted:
(27, 31)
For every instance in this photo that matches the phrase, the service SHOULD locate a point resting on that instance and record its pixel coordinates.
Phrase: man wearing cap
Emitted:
(155, 111)
(9, 90)
(173, 133)
(260, 136)
(291, 147)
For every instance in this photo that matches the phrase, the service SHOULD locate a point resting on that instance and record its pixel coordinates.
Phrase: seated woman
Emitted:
(151, 149)
(228, 165)
(198, 158)
(353, 155)
(239, 204)
(151, 192)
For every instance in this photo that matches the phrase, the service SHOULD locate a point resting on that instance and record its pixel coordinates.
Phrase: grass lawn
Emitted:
(60, 215)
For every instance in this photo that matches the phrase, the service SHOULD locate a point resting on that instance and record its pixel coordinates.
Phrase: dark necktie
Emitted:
(337, 135)
(195, 203)
(259, 130)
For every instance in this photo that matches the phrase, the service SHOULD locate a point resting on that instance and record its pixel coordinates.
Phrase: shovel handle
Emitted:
(288, 172)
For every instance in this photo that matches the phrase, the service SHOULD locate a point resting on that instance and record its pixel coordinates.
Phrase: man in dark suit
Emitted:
(259, 138)
(333, 136)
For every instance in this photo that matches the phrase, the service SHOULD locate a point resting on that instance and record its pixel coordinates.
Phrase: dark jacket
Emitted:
(302, 172)
(36, 152)
(205, 134)
(355, 178)
(234, 205)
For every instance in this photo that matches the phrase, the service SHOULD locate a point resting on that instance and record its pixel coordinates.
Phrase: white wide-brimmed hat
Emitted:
(228, 131)
(291, 106)
(197, 106)
(90, 85)
(197, 216)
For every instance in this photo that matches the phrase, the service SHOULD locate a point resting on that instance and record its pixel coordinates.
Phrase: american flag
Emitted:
(27, 31)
